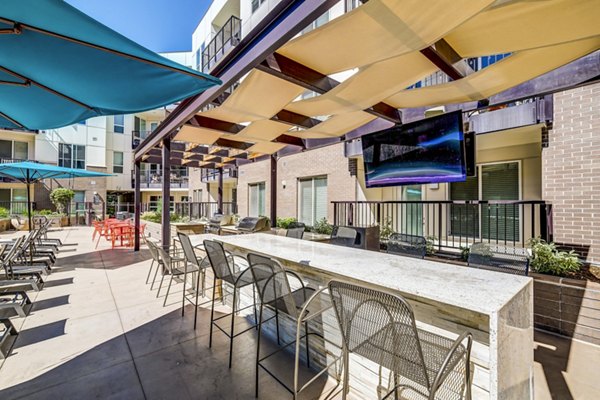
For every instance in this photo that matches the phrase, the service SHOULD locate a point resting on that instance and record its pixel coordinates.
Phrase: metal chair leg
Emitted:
(160, 285)
(196, 303)
(277, 326)
(212, 312)
(150, 271)
(346, 362)
(232, 325)
(155, 275)
(258, 351)
(183, 296)
(307, 348)
(168, 290)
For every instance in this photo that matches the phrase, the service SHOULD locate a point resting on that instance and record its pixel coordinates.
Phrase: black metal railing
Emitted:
(17, 207)
(453, 224)
(138, 137)
(154, 180)
(226, 38)
(192, 210)
(209, 174)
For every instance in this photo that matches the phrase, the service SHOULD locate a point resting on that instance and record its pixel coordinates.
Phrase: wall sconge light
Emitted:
(283, 183)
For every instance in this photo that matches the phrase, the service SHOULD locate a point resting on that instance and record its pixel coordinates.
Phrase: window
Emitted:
(256, 4)
(71, 156)
(79, 200)
(323, 19)
(21, 150)
(197, 195)
(493, 182)
(118, 162)
(5, 149)
(119, 124)
(312, 200)
(256, 195)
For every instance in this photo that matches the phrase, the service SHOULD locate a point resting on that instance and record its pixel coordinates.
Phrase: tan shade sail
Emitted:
(379, 30)
(339, 125)
(259, 96)
(503, 75)
(526, 25)
(264, 130)
(193, 134)
(266, 147)
(369, 86)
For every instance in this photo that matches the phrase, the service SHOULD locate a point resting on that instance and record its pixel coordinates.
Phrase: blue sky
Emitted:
(160, 25)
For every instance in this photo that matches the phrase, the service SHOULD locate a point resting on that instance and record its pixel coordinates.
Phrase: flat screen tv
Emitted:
(431, 150)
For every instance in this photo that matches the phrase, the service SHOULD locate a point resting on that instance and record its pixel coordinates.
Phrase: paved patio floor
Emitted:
(96, 331)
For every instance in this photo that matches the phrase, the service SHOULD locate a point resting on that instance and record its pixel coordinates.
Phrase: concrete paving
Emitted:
(97, 331)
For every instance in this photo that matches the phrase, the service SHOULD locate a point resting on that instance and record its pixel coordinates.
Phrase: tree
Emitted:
(61, 197)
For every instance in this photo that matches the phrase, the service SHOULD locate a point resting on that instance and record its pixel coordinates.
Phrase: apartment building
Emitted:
(522, 148)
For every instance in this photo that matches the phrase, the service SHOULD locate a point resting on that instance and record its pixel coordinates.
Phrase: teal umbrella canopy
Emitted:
(31, 172)
(58, 66)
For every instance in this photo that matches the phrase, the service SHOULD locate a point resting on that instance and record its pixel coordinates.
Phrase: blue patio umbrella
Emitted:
(58, 66)
(31, 172)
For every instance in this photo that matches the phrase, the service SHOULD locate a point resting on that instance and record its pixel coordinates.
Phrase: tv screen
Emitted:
(426, 151)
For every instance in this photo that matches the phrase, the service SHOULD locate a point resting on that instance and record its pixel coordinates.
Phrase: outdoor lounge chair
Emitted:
(229, 271)
(14, 269)
(407, 245)
(301, 304)
(7, 329)
(494, 257)
(380, 327)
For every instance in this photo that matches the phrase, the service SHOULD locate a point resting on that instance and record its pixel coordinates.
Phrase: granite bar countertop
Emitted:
(478, 290)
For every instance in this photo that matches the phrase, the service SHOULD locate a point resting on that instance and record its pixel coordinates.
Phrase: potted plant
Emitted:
(61, 197)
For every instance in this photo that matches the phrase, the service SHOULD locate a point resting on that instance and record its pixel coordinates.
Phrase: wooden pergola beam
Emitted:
(215, 124)
(443, 56)
(292, 71)
(295, 119)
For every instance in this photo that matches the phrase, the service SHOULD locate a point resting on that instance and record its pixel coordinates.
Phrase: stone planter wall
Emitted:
(567, 306)
(5, 224)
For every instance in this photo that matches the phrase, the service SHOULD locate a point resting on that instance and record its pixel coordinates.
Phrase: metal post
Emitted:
(137, 203)
(273, 190)
(220, 192)
(166, 193)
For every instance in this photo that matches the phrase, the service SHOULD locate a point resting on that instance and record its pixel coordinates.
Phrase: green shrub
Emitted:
(547, 259)
(61, 197)
(464, 253)
(430, 245)
(322, 227)
(285, 222)
(385, 229)
(44, 212)
(3, 212)
(152, 216)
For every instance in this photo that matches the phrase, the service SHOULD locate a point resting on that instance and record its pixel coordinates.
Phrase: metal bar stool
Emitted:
(199, 264)
(302, 305)
(381, 327)
(172, 266)
(227, 270)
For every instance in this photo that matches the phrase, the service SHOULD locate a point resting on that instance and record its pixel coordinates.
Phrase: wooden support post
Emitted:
(166, 193)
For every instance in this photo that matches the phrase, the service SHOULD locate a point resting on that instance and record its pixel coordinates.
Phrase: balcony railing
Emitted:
(211, 175)
(226, 38)
(453, 224)
(154, 181)
(138, 137)
(192, 210)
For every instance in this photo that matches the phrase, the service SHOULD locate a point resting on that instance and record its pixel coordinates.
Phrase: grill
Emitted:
(253, 224)
(215, 223)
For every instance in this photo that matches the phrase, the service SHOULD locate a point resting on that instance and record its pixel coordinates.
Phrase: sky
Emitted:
(160, 25)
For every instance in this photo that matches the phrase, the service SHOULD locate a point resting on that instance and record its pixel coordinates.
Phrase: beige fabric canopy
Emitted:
(383, 39)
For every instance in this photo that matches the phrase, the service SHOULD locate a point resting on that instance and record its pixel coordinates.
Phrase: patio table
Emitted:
(448, 299)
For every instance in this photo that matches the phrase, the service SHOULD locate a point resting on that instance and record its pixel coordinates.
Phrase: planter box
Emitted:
(567, 306)
(5, 224)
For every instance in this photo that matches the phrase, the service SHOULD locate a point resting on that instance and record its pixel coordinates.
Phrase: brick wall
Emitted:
(327, 161)
(571, 170)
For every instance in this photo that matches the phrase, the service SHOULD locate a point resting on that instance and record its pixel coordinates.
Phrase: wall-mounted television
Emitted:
(431, 150)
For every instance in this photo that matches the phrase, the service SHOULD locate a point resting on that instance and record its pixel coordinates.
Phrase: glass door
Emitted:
(413, 212)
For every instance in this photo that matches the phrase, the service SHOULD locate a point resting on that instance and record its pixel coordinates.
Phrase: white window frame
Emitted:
(121, 166)
(258, 213)
(73, 159)
(115, 125)
(314, 207)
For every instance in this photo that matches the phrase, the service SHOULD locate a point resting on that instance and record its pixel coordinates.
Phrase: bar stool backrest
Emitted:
(409, 245)
(380, 327)
(295, 233)
(343, 236)
(513, 260)
(165, 257)
(188, 251)
(218, 259)
(271, 283)
(153, 250)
